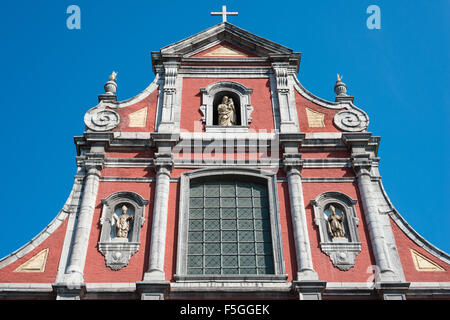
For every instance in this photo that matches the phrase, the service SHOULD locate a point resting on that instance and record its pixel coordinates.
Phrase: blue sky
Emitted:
(50, 76)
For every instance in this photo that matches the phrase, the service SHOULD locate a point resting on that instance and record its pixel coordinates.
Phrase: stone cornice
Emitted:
(292, 161)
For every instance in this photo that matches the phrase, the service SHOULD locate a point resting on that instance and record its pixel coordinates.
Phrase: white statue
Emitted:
(226, 112)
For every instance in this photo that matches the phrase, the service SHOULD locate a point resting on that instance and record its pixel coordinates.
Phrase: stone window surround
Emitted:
(341, 253)
(118, 253)
(270, 180)
(207, 110)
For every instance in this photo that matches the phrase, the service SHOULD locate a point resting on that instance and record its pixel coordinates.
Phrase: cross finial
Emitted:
(224, 13)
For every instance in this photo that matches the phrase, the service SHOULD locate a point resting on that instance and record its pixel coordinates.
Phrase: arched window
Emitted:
(228, 226)
(335, 217)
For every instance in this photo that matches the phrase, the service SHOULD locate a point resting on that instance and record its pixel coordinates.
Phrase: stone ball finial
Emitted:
(111, 85)
(340, 88)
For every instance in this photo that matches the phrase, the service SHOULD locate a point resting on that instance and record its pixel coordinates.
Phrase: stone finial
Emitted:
(111, 85)
(341, 90)
(110, 88)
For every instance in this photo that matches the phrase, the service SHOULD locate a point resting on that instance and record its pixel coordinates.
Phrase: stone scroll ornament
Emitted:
(351, 120)
(101, 119)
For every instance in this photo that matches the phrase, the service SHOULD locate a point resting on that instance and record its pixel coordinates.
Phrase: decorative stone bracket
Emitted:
(117, 255)
(342, 255)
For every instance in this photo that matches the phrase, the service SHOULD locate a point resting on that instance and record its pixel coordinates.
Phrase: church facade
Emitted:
(226, 179)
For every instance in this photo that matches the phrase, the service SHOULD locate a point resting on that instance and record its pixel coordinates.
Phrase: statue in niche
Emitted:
(123, 223)
(335, 224)
(226, 112)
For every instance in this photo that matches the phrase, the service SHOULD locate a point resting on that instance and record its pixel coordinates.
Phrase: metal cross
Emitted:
(224, 13)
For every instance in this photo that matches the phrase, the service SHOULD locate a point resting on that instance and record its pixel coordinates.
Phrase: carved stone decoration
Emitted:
(138, 119)
(118, 247)
(422, 263)
(35, 264)
(351, 120)
(342, 255)
(343, 248)
(101, 119)
(117, 255)
(315, 119)
(225, 51)
(249, 109)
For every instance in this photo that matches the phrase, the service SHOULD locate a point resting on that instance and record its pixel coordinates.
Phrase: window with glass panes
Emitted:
(229, 229)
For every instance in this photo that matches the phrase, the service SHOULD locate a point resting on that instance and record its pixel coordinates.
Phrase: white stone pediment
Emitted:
(226, 32)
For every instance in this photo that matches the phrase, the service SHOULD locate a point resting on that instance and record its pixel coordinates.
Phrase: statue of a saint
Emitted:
(226, 112)
(123, 223)
(335, 224)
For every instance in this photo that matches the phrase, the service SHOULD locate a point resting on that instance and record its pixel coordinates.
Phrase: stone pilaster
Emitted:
(93, 169)
(286, 105)
(362, 168)
(169, 100)
(163, 166)
(74, 277)
(292, 165)
(363, 151)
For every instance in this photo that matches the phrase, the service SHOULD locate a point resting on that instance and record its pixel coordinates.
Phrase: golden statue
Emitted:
(113, 76)
(339, 78)
(335, 224)
(123, 223)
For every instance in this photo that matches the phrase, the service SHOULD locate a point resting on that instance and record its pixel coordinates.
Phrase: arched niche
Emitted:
(116, 248)
(212, 96)
(341, 248)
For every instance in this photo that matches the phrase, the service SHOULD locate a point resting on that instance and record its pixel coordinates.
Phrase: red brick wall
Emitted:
(322, 263)
(95, 268)
(302, 104)
(150, 102)
(404, 246)
(55, 243)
